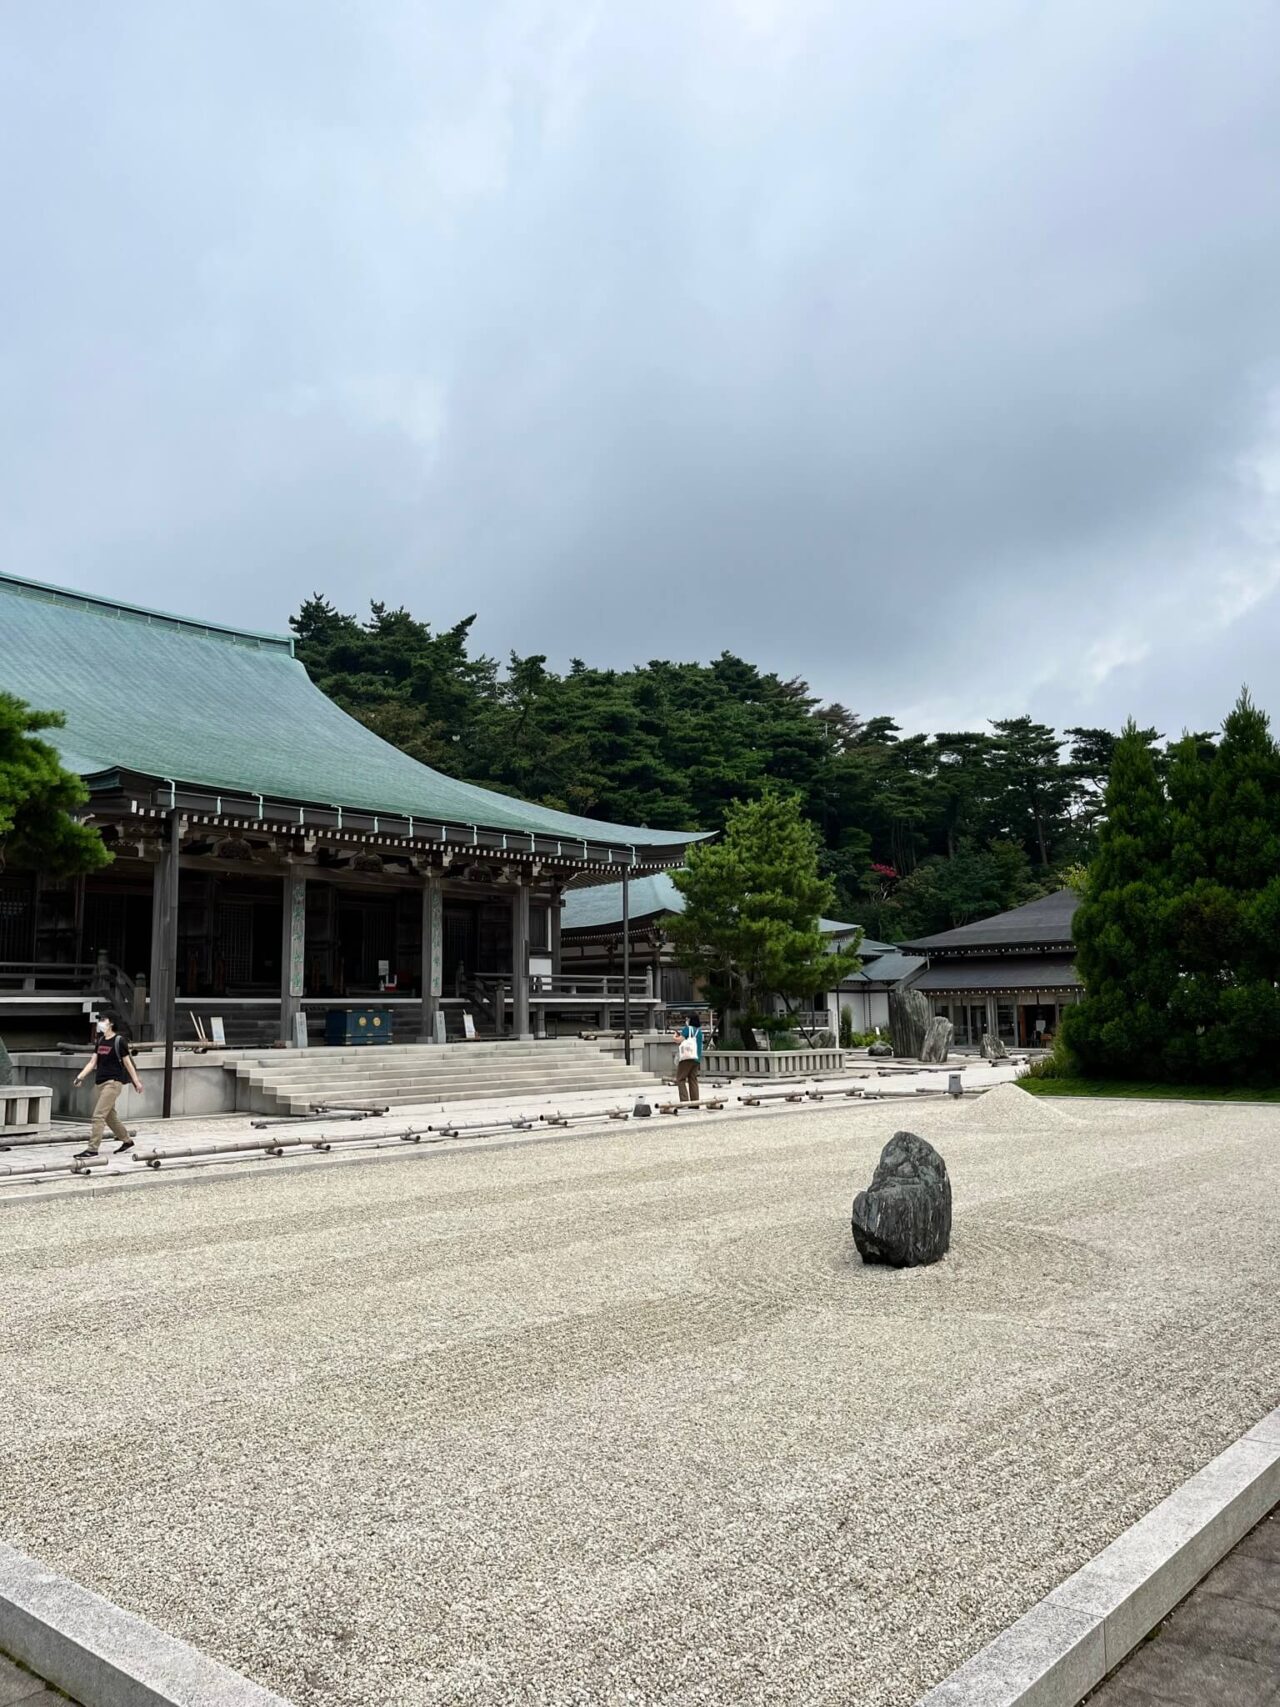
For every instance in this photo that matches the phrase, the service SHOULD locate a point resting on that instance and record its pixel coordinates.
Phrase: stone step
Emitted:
(543, 1096)
(440, 1087)
(402, 1076)
(508, 1050)
(309, 1072)
(490, 1071)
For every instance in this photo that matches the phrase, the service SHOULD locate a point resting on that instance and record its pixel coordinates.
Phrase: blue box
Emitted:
(344, 1027)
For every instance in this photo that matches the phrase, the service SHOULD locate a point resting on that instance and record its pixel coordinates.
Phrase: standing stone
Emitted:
(6, 1065)
(937, 1040)
(993, 1047)
(904, 1216)
(908, 1021)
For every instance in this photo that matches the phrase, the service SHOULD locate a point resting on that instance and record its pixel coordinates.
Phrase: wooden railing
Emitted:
(71, 976)
(592, 986)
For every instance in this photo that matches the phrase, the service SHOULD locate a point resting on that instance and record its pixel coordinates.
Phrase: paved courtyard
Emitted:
(621, 1418)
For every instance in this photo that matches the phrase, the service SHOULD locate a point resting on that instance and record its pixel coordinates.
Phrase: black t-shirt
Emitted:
(110, 1053)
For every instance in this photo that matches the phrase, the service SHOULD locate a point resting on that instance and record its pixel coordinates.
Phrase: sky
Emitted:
(930, 352)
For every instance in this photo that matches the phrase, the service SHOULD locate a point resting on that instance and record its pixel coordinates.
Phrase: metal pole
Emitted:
(626, 967)
(171, 963)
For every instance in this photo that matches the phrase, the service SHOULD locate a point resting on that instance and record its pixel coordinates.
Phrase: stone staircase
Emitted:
(290, 1081)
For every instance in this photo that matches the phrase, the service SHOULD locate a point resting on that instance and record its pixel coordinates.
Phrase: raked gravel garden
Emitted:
(623, 1418)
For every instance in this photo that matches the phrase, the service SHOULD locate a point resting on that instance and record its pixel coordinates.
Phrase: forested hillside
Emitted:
(920, 832)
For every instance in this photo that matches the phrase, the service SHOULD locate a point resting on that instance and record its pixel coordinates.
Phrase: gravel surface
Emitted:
(623, 1419)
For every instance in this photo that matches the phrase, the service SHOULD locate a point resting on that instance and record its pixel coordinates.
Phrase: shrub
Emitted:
(1057, 1064)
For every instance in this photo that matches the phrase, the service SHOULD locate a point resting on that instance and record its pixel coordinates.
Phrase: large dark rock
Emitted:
(904, 1216)
(881, 1050)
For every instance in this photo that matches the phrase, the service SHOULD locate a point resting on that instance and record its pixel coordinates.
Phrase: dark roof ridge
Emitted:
(118, 609)
(1042, 923)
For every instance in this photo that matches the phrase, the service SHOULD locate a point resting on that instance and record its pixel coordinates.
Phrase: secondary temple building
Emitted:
(1011, 975)
(272, 856)
(593, 936)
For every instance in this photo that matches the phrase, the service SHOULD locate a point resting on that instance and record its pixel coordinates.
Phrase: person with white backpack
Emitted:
(689, 1059)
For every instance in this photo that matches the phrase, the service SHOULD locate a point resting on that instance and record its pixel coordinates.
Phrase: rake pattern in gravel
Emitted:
(623, 1418)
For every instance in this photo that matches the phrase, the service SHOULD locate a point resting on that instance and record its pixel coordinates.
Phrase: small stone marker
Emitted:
(904, 1217)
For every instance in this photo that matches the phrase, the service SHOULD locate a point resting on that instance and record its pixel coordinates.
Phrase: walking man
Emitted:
(689, 1059)
(112, 1067)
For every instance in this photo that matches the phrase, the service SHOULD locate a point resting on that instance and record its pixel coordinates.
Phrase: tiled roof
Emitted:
(1005, 972)
(599, 907)
(1045, 923)
(228, 710)
(889, 967)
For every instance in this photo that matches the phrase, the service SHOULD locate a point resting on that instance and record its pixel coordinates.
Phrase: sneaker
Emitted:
(123, 1145)
(84, 1155)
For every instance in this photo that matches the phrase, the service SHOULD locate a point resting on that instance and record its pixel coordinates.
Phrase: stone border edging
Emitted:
(1065, 1646)
(103, 1656)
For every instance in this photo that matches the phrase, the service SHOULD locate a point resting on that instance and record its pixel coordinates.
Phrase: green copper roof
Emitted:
(194, 702)
(600, 906)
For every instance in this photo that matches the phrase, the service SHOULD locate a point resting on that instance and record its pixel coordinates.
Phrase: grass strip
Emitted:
(1152, 1092)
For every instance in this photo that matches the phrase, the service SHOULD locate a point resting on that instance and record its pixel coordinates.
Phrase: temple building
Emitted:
(593, 934)
(272, 856)
(1011, 975)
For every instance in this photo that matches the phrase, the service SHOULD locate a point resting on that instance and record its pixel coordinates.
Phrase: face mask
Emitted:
(100, 1028)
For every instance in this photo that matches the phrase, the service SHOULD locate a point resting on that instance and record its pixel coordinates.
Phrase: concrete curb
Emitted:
(103, 1656)
(1066, 1645)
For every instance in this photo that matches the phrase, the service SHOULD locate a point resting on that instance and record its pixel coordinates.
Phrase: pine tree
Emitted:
(1123, 951)
(752, 905)
(37, 797)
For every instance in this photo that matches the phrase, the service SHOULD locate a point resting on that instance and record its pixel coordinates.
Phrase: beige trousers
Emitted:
(104, 1114)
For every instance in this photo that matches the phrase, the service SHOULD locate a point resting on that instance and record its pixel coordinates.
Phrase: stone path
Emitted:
(50, 1161)
(20, 1689)
(1221, 1646)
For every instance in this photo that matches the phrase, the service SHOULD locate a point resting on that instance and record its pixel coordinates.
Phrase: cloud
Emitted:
(931, 354)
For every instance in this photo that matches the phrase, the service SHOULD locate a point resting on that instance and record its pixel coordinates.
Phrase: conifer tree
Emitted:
(1123, 952)
(752, 904)
(1225, 919)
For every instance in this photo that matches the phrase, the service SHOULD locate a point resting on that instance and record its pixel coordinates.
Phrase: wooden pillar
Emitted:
(626, 967)
(163, 971)
(170, 962)
(520, 1026)
(293, 950)
(557, 904)
(432, 954)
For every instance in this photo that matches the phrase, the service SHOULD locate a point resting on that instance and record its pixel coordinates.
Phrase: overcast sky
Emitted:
(928, 350)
